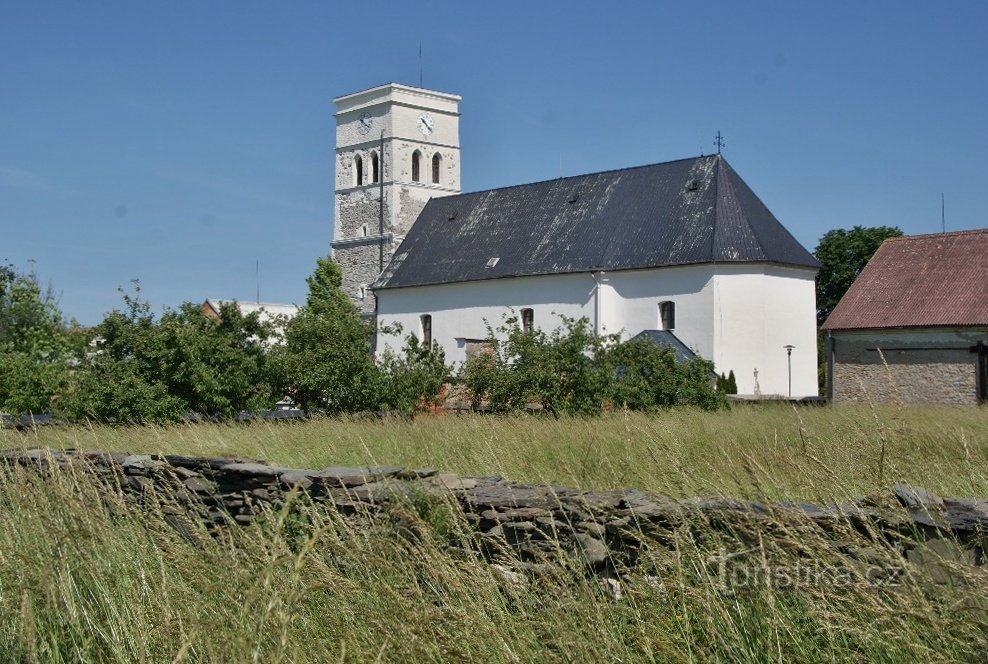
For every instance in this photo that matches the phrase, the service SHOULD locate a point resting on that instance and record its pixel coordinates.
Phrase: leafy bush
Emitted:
(573, 370)
(414, 379)
(34, 345)
(148, 370)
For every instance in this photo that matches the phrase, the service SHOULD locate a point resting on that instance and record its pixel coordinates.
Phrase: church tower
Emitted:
(396, 147)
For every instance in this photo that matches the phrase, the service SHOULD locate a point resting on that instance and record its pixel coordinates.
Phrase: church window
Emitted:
(363, 231)
(358, 168)
(375, 168)
(416, 159)
(437, 162)
(527, 320)
(427, 329)
(667, 315)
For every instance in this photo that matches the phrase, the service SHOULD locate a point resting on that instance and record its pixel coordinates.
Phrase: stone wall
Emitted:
(526, 526)
(919, 367)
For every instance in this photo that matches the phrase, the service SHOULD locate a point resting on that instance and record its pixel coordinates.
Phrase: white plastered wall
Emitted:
(740, 317)
(757, 312)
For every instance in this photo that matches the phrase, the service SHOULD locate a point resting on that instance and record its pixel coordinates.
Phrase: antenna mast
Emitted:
(257, 280)
(719, 142)
(420, 64)
(943, 216)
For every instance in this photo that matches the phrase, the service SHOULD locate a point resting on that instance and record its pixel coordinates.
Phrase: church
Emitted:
(682, 250)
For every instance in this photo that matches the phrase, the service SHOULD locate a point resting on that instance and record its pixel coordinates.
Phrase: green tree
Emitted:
(843, 254)
(34, 345)
(560, 372)
(326, 363)
(148, 370)
(414, 378)
(573, 370)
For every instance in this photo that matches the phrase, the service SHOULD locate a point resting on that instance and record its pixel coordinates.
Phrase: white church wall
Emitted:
(757, 312)
(632, 303)
(740, 317)
(459, 310)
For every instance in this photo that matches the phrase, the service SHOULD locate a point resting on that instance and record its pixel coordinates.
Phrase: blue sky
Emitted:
(178, 142)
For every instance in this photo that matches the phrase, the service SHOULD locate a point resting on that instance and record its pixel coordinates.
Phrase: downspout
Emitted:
(831, 349)
(380, 231)
(596, 301)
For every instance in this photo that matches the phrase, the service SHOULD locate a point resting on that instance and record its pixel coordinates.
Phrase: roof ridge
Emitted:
(581, 175)
(924, 236)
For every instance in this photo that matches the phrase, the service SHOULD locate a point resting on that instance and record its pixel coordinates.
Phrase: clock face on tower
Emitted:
(426, 124)
(365, 122)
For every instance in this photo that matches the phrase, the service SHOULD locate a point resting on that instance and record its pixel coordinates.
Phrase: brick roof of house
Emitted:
(919, 281)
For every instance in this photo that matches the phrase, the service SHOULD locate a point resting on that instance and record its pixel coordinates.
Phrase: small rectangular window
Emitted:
(667, 315)
(427, 330)
(527, 320)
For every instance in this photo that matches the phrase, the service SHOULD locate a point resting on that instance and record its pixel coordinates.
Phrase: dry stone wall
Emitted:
(529, 524)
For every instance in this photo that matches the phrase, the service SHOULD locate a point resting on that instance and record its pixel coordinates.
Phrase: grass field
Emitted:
(84, 577)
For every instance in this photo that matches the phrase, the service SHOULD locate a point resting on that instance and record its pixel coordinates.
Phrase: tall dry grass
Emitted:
(87, 576)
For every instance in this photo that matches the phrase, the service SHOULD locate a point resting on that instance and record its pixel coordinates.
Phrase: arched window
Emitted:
(416, 159)
(426, 330)
(527, 320)
(667, 315)
(358, 169)
(375, 168)
(437, 162)
(363, 231)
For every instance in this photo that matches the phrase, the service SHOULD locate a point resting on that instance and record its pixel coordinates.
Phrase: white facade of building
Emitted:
(739, 316)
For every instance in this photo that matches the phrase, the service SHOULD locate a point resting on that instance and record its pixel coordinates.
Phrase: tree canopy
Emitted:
(843, 254)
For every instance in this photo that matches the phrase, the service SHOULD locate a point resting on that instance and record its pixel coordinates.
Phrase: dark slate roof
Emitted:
(667, 339)
(919, 281)
(677, 213)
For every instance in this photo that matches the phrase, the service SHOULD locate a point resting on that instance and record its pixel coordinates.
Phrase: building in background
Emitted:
(683, 247)
(396, 148)
(913, 327)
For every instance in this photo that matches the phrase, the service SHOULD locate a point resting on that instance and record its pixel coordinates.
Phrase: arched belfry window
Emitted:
(416, 166)
(375, 168)
(358, 169)
(437, 163)
(667, 315)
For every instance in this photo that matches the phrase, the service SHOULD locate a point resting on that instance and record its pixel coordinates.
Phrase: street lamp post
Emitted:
(789, 348)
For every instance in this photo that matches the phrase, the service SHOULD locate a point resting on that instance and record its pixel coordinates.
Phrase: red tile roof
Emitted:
(919, 281)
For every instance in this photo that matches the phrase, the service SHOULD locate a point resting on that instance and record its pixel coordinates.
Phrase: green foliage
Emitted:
(561, 372)
(843, 254)
(326, 363)
(647, 377)
(727, 384)
(576, 371)
(148, 370)
(34, 346)
(414, 379)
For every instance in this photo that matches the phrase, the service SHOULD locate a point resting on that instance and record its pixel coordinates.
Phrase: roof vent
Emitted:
(692, 185)
(574, 197)
(452, 215)
(491, 262)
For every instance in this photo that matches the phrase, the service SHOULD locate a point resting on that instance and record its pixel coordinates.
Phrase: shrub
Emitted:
(573, 370)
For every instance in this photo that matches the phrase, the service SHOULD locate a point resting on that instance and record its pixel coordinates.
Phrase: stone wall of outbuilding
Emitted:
(923, 366)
